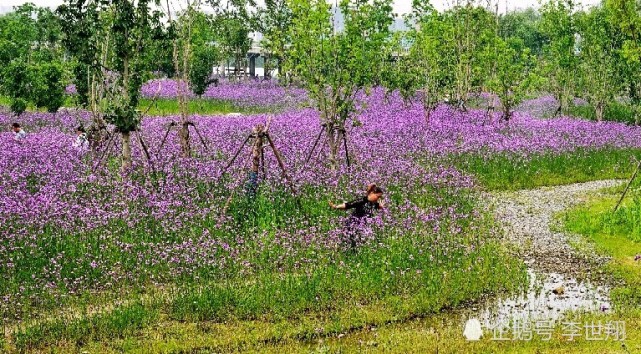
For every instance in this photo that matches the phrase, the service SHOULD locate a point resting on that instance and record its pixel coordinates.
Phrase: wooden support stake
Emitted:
(164, 138)
(104, 153)
(625, 191)
(320, 134)
(202, 140)
(346, 151)
(281, 164)
(235, 155)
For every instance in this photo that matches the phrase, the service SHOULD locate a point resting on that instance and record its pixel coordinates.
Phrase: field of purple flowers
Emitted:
(73, 230)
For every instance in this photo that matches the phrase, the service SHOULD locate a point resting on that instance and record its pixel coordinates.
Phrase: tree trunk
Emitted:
(428, 114)
(183, 133)
(126, 151)
(599, 111)
(334, 139)
(507, 114)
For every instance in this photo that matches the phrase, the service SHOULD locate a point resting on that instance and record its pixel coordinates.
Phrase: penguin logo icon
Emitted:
(473, 331)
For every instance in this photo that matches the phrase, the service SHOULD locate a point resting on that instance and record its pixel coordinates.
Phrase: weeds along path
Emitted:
(529, 223)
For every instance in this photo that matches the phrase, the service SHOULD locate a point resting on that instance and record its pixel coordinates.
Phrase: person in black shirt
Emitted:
(362, 208)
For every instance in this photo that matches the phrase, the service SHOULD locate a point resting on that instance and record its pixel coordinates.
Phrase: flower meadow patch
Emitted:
(71, 224)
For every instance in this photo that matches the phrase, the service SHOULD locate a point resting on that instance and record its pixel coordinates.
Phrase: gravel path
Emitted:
(527, 217)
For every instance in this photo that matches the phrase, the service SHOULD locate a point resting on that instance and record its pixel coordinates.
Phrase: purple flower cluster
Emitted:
(250, 93)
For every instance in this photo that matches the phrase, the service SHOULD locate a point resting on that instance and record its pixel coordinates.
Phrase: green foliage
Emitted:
(18, 105)
(47, 85)
(31, 69)
(513, 74)
(425, 68)
(335, 65)
(558, 25)
(273, 21)
(203, 52)
(523, 24)
(85, 40)
(614, 111)
(599, 59)
(233, 22)
(41, 84)
(200, 68)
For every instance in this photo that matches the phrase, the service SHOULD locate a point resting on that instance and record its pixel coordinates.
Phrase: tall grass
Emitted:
(614, 111)
(514, 171)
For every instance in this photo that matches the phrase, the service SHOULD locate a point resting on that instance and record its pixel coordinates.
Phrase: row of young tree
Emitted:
(109, 48)
(561, 49)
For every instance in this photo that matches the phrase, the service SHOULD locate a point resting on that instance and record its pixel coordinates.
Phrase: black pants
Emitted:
(353, 231)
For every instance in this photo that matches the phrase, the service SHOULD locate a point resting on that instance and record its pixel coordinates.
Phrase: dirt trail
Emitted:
(528, 219)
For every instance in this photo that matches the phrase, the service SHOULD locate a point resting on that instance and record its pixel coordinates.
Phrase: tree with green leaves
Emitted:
(205, 53)
(627, 15)
(233, 20)
(523, 24)
(598, 47)
(273, 21)
(333, 64)
(115, 54)
(194, 56)
(132, 23)
(560, 59)
(426, 63)
(513, 75)
(466, 28)
(87, 41)
(31, 68)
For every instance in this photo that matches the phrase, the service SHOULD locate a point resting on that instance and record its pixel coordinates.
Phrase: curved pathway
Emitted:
(528, 220)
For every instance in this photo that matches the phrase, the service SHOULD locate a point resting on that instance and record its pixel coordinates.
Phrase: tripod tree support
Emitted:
(281, 164)
(104, 153)
(164, 138)
(625, 191)
(174, 124)
(256, 161)
(320, 134)
(200, 137)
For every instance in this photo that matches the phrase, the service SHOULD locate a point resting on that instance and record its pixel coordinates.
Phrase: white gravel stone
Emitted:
(528, 220)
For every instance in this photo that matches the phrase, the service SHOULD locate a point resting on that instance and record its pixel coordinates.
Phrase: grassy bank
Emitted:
(201, 106)
(167, 106)
(514, 172)
(615, 234)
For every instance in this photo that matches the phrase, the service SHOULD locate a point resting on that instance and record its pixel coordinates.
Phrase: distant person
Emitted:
(18, 132)
(363, 208)
(81, 141)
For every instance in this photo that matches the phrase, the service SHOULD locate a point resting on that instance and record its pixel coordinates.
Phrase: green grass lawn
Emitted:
(202, 106)
(514, 172)
(616, 234)
(167, 106)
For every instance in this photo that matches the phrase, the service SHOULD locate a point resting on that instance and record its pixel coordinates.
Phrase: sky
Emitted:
(400, 6)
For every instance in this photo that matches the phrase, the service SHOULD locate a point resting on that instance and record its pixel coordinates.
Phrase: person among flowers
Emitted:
(362, 208)
(18, 132)
(81, 141)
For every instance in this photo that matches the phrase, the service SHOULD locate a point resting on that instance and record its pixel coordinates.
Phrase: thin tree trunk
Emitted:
(599, 111)
(333, 140)
(507, 114)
